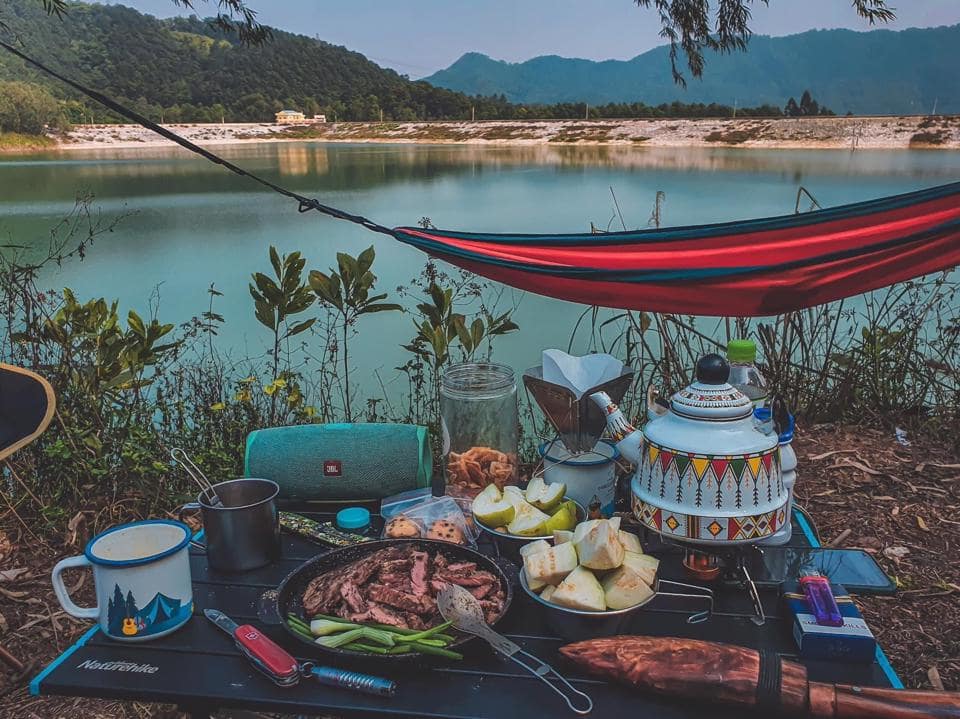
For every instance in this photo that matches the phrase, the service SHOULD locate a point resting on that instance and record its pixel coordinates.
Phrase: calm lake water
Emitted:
(193, 223)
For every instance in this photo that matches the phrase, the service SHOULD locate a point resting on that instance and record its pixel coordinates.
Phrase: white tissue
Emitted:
(578, 374)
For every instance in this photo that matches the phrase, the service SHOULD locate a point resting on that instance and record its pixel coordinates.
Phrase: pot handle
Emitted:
(191, 506)
(268, 608)
(704, 593)
(60, 589)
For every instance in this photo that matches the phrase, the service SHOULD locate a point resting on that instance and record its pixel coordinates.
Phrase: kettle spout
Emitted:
(627, 437)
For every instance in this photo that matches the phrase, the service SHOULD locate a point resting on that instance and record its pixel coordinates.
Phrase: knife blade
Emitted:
(267, 656)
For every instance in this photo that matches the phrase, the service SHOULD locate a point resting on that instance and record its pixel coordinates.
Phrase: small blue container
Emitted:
(353, 519)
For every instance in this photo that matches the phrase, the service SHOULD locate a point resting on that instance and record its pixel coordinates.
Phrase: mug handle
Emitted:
(60, 589)
(190, 506)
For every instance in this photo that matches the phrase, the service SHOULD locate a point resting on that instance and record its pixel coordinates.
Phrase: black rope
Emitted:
(306, 203)
(769, 682)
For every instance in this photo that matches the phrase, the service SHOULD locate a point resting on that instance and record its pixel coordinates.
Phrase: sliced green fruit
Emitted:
(528, 522)
(552, 565)
(624, 588)
(581, 529)
(562, 535)
(533, 547)
(514, 494)
(630, 542)
(529, 549)
(564, 519)
(545, 496)
(568, 503)
(580, 590)
(491, 508)
(600, 548)
(643, 565)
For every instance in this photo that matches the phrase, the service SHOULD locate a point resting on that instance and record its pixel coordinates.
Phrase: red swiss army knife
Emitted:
(284, 670)
(265, 654)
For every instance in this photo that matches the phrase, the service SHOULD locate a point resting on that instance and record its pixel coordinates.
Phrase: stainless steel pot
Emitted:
(242, 532)
(577, 624)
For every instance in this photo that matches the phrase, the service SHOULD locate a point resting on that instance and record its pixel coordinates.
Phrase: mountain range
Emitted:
(879, 72)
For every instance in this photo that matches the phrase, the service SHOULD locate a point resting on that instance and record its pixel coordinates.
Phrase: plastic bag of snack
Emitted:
(435, 518)
(397, 503)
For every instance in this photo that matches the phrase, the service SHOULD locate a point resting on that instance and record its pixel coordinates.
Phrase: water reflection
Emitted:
(129, 173)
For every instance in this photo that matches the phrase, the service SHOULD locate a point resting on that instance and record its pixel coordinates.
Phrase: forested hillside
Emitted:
(184, 69)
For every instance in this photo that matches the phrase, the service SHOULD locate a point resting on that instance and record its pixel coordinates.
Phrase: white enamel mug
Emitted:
(142, 576)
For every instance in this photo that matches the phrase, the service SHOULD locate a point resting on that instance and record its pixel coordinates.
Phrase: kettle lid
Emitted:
(711, 397)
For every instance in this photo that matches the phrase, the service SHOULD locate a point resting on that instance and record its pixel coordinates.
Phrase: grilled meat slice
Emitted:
(400, 600)
(481, 591)
(467, 579)
(419, 573)
(351, 596)
(385, 615)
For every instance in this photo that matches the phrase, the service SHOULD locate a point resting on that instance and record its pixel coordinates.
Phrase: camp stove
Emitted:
(729, 564)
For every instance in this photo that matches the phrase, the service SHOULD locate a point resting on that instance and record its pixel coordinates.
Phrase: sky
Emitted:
(418, 37)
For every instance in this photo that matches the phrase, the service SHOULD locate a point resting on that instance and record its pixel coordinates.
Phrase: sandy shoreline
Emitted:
(794, 133)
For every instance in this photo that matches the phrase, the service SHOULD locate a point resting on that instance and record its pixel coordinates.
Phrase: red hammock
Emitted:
(748, 268)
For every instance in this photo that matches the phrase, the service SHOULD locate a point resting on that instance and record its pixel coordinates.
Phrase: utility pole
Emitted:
(473, 114)
(735, 100)
(381, 115)
(586, 111)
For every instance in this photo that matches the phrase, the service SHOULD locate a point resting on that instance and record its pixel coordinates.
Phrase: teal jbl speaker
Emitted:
(329, 462)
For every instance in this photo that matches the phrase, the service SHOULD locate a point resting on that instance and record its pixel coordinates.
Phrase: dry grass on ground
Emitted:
(901, 504)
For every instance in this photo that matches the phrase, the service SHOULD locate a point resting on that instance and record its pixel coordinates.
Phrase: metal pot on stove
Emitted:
(707, 472)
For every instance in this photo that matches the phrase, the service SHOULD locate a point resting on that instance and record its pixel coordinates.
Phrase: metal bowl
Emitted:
(577, 624)
(510, 544)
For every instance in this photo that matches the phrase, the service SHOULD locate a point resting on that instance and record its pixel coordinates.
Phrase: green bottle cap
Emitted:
(742, 351)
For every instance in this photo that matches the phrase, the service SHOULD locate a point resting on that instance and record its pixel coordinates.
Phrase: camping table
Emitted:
(199, 669)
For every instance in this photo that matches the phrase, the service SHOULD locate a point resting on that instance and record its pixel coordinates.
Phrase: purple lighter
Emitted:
(820, 597)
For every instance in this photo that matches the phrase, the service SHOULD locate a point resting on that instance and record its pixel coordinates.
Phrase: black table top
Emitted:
(198, 667)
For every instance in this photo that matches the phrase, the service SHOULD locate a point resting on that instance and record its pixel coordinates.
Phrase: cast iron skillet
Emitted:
(288, 597)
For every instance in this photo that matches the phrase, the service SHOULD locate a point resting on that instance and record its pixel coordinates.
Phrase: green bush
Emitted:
(28, 109)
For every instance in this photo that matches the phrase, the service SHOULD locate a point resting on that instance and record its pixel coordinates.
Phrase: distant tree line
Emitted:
(808, 107)
(30, 108)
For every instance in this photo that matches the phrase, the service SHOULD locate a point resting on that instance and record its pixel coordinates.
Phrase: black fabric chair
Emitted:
(27, 404)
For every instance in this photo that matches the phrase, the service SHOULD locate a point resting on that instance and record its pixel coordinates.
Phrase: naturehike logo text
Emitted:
(118, 667)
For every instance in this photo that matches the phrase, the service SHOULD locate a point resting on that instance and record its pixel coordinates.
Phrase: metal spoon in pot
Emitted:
(183, 459)
(460, 607)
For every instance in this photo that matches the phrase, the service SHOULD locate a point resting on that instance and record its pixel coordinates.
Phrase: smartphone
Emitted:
(856, 570)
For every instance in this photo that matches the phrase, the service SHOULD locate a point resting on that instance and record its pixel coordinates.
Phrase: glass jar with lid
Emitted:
(479, 420)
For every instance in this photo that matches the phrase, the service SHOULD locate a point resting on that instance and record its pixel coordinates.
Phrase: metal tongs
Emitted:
(463, 610)
(183, 459)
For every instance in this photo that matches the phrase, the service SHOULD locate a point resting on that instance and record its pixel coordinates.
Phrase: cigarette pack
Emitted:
(851, 642)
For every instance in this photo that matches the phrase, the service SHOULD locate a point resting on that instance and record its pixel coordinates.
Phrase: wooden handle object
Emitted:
(709, 671)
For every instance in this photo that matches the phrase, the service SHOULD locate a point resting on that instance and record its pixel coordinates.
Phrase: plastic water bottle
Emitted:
(788, 466)
(744, 375)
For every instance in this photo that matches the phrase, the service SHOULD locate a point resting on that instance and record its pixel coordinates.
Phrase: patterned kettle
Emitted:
(707, 472)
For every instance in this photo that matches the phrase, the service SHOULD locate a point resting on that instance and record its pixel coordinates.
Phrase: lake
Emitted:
(192, 223)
